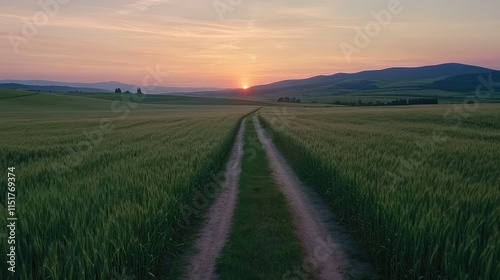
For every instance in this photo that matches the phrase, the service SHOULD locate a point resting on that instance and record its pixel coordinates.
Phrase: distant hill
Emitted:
(367, 78)
(465, 83)
(452, 77)
(106, 86)
(49, 88)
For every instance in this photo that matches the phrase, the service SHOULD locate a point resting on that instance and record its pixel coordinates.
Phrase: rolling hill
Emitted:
(48, 88)
(465, 83)
(96, 87)
(431, 80)
(434, 72)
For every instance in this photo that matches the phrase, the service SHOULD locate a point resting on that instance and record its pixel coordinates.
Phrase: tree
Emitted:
(118, 90)
(139, 90)
(280, 99)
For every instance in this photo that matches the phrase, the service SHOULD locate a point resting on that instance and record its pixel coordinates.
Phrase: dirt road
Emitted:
(216, 229)
(331, 252)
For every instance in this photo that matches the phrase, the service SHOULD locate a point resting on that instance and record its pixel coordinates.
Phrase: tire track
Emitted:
(215, 232)
(331, 253)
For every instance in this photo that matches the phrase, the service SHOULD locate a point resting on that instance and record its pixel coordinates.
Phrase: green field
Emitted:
(102, 181)
(420, 190)
(100, 190)
(386, 91)
(177, 100)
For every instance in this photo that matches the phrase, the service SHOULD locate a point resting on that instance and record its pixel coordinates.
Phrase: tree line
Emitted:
(397, 102)
(289, 100)
(416, 101)
(119, 90)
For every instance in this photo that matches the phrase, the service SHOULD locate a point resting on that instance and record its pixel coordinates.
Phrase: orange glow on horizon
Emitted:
(298, 40)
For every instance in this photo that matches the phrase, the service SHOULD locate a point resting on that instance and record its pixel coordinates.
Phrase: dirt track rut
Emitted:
(215, 232)
(330, 250)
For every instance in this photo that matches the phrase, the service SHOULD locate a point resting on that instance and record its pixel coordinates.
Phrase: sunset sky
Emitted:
(252, 42)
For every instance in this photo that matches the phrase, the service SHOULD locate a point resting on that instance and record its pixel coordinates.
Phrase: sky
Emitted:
(236, 43)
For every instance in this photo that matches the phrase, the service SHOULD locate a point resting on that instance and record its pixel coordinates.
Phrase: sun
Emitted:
(244, 87)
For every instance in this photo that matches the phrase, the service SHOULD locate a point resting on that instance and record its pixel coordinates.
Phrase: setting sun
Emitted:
(222, 136)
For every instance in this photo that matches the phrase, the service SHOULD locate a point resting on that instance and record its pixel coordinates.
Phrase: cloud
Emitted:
(141, 5)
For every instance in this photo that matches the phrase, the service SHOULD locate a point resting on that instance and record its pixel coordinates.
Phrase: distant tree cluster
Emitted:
(416, 101)
(289, 100)
(119, 90)
(397, 102)
(39, 90)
